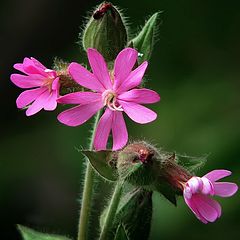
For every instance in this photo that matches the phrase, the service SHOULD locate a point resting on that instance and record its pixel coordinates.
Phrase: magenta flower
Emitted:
(44, 83)
(198, 191)
(116, 91)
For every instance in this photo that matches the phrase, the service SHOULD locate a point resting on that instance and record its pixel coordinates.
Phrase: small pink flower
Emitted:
(198, 191)
(116, 91)
(44, 83)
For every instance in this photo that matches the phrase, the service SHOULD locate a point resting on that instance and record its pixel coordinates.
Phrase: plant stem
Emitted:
(111, 212)
(87, 190)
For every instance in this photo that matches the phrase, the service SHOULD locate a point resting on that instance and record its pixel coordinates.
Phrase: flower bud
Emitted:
(144, 166)
(105, 32)
(137, 164)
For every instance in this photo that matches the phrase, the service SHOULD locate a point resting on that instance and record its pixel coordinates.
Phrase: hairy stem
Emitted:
(87, 190)
(111, 212)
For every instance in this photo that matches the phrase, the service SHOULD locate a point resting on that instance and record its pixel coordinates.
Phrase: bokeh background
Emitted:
(196, 69)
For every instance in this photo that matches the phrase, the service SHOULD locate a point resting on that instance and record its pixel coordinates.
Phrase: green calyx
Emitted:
(105, 32)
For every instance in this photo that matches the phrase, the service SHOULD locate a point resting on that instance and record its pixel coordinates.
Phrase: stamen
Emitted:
(110, 100)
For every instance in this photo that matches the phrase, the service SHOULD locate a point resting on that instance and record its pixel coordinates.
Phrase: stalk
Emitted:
(111, 212)
(87, 190)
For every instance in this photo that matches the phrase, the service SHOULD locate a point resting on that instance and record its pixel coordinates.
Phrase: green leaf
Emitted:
(146, 38)
(167, 191)
(135, 214)
(101, 162)
(121, 233)
(191, 163)
(29, 234)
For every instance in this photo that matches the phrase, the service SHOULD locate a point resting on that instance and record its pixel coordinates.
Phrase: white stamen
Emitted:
(110, 100)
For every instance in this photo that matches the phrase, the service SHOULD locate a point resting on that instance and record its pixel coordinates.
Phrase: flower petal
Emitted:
(207, 207)
(19, 67)
(195, 184)
(33, 67)
(103, 130)
(29, 96)
(134, 79)
(51, 102)
(23, 81)
(23, 67)
(56, 84)
(217, 174)
(144, 96)
(37, 63)
(225, 189)
(137, 112)
(80, 114)
(123, 65)
(119, 131)
(38, 104)
(85, 78)
(191, 204)
(99, 67)
(80, 98)
(207, 187)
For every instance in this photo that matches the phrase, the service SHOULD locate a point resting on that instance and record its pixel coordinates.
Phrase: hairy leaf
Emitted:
(145, 40)
(101, 162)
(30, 234)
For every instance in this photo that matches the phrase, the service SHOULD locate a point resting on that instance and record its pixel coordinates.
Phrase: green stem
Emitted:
(111, 212)
(87, 190)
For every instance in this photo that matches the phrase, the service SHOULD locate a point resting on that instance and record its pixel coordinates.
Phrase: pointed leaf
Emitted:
(101, 162)
(121, 234)
(135, 214)
(191, 163)
(167, 191)
(30, 234)
(145, 40)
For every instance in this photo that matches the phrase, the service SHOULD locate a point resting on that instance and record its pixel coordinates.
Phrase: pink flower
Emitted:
(116, 91)
(198, 191)
(44, 83)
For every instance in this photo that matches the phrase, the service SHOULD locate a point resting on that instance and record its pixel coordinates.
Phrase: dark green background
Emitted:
(195, 68)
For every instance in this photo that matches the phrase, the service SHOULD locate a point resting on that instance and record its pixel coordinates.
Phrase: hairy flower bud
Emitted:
(144, 166)
(137, 163)
(105, 32)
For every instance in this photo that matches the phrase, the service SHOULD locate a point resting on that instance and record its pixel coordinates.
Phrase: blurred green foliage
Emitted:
(195, 68)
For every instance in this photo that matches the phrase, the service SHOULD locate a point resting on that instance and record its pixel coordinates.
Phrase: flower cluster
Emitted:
(116, 91)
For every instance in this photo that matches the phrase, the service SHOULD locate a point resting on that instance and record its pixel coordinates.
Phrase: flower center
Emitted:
(110, 100)
(49, 81)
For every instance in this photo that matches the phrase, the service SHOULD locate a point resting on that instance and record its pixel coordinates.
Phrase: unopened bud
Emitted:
(137, 163)
(144, 166)
(105, 32)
